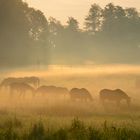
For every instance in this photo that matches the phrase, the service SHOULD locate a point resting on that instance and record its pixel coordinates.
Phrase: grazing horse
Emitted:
(45, 89)
(114, 95)
(137, 83)
(21, 88)
(6, 82)
(62, 90)
(35, 81)
(52, 90)
(29, 80)
(80, 94)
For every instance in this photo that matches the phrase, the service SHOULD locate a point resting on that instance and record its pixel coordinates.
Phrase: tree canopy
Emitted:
(22, 30)
(111, 35)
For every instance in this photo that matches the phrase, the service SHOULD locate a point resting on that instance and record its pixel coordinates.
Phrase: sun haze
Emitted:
(62, 9)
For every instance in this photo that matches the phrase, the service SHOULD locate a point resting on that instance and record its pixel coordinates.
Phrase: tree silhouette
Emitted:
(21, 28)
(111, 35)
(94, 19)
(72, 24)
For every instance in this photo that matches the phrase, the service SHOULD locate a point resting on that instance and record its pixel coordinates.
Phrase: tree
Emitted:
(109, 18)
(94, 19)
(73, 24)
(21, 28)
(39, 33)
(132, 13)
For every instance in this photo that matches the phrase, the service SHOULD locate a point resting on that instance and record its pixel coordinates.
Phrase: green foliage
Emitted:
(37, 132)
(72, 24)
(22, 29)
(93, 20)
(94, 134)
(76, 131)
(111, 35)
(61, 134)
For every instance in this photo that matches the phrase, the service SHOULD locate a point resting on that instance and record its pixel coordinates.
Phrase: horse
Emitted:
(137, 83)
(29, 80)
(45, 89)
(80, 94)
(116, 95)
(21, 88)
(6, 82)
(52, 91)
(35, 81)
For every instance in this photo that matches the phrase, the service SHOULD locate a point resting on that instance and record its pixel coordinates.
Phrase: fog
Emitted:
(52, 73)
(92, 77)
(104, 54)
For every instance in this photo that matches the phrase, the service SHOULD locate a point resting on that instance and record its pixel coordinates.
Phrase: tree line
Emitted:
(110, 35)
(23, 34)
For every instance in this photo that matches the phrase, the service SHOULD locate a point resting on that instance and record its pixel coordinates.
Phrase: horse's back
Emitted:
(112, 94)
(82, 93)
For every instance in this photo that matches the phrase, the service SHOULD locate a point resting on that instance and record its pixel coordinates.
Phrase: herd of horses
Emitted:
(23, 85)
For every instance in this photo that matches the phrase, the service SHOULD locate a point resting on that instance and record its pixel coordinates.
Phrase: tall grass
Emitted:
(77, 130)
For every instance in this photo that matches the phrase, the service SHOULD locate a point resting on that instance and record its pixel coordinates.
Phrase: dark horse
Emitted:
(114, 95)
(34, 81)
(21, 88)
(80, 94)
(52, 91)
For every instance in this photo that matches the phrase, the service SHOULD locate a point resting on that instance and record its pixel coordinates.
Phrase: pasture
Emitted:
(42, 118)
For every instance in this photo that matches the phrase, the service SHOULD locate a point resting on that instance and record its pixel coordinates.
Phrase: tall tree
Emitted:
(109, 18)
(39, 34)
(21, 26)
(72, 24)
(94, 19)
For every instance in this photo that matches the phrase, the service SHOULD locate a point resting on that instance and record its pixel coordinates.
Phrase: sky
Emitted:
(62, 9)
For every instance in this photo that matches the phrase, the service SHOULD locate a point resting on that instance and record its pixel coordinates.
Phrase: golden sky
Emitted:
(62, 9)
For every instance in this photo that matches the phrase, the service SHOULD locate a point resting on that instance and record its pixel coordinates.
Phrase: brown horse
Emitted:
(80, 94)
(45, 89)
(52, 91)
(6, 82)
(114, 95)
(137, 83)
(34, 81)
(21, 88)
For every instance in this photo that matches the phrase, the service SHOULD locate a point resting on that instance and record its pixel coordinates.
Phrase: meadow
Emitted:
(40, 118)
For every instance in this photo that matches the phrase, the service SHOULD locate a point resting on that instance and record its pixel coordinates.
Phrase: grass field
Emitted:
(69, 122)
(37, 118)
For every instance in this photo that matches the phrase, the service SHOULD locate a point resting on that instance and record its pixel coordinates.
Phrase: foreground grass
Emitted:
(38, 119)
(14, 130)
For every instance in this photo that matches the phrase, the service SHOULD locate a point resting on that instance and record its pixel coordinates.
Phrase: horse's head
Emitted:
(122, 93)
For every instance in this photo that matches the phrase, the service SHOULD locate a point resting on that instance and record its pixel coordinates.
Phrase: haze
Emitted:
(69, 70)
(62, 9)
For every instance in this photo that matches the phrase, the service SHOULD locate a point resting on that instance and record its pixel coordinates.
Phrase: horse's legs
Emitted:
(118, 103)
(11, 91)
(102, 101)
(33, 94)
(21, 93)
